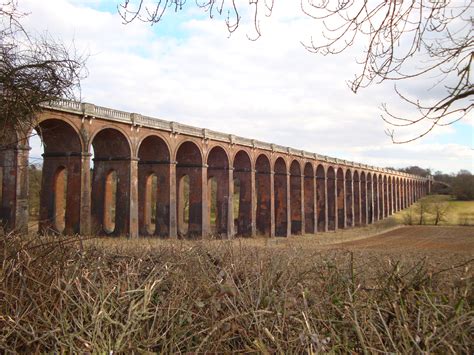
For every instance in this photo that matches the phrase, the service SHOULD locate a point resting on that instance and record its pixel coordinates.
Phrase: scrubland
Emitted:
(302, 294)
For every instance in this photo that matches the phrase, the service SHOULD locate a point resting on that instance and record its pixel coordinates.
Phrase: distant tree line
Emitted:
(460, 185)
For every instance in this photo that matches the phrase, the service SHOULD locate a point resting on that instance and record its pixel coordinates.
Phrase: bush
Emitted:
(69, 295)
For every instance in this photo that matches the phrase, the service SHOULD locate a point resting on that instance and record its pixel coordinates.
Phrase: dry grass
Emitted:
(70, 295)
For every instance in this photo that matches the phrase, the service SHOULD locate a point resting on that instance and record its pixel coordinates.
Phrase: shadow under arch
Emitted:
(154, 171)
(112, 166)
(243, 194)
(218, 188)
(190, 173)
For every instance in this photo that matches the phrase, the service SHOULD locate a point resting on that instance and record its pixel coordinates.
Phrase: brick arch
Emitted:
(119, 132)
(356, 197)
(263, 181)
(296, 201)
(340, 198)
(281, 197)
(331, 198)
(242, 175)
(349, 198)
(321, 196)
(218, 173)
(154, 164)
(371, 197)
(189, 142)
(163, 148)
(189, 164)
(309, 193)
(219, 147)
(112, 153)
(62, 146)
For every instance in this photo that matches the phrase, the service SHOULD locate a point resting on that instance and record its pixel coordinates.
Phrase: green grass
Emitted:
(457, 212)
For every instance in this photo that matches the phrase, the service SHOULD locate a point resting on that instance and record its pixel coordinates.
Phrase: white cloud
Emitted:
(272, 89)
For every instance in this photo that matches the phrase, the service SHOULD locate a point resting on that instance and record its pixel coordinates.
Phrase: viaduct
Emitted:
(151, 177)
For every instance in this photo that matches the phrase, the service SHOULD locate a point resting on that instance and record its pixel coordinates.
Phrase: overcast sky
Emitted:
(187, 69)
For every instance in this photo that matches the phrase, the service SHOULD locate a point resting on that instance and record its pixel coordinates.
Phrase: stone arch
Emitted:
(63, 149)
(263, 182)
(189, 166)
(154, 169)
(389, 196)
(376, 198)
(340, 196)
(309, 193)
(356, 198)
(281, 198)
(321, 196)
(243, 193)
(331, 199)
(381, 198)
(372, 208)
(218, 169)
(296, 200)
(112, 152)
(349, 192)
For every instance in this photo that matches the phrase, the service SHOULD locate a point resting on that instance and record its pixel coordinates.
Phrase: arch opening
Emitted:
(349, 199)
(356, 198)
(281, 198)
(54, 176)
(150, 203)
(189, 163)
(321, 207)
(60, 199)
(296, 206)
(332, 193)
(243, 194)
(371, 198)
(154, 162)
(341, 207)
(183, 205)
(110, 202)
(363, 199)
(218, 191)
(309, 199)
(112, 153)
(263, 192)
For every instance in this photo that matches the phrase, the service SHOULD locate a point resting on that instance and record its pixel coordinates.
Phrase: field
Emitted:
(407, 290)
(455, 212)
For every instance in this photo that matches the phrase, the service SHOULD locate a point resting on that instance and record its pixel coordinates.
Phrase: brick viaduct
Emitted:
(154, 177)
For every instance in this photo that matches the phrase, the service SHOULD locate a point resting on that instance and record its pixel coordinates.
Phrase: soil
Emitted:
(418, 238)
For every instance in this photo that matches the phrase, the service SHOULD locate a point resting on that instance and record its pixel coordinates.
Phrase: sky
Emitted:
(187, 69)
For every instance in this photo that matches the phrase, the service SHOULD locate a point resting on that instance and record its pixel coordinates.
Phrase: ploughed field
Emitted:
(407, 290)
(421, 239)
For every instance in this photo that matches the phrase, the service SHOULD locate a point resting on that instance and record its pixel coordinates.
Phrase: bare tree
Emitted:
(33, 71)
(440, 209)
(429, 40)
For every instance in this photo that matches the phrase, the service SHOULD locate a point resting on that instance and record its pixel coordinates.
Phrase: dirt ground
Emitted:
(418, 238)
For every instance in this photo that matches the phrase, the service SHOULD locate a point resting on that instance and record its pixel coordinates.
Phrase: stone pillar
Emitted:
(253, 206)
(288, 204)
(173, 222)
(205, 222)
(272, 204)
(14, 204)
(326, 206)
(230, 205)
(315, 205)
(303, 216)
(85, 213)
(352, 202)
(133, 222)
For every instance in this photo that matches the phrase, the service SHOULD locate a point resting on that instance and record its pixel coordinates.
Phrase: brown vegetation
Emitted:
(71, 295)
